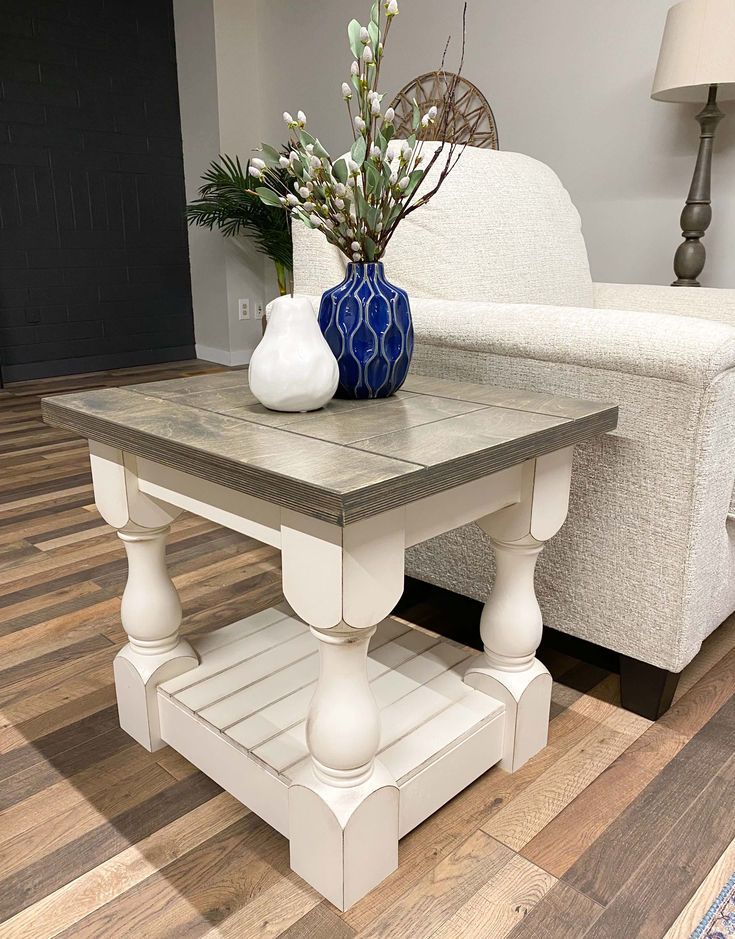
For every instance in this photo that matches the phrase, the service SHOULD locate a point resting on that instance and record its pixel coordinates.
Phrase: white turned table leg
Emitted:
(151, 616)
(343, 727)
(511, 622)
(150, 612)
(343, 810)
(343, 806)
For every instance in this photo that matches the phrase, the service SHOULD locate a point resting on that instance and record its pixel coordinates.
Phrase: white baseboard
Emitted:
(223, 356)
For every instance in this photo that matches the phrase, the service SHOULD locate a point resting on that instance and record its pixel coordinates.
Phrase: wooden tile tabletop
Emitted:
(352, 459)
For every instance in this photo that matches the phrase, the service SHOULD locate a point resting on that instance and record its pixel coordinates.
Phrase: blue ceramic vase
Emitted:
(367, 324)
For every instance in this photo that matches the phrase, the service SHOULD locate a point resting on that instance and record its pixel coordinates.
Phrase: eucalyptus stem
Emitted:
(358, 200)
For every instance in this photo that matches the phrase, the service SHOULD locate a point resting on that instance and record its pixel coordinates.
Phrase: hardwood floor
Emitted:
(619, 828)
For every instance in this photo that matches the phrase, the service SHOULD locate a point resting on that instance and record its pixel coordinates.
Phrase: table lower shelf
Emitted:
(240, 715)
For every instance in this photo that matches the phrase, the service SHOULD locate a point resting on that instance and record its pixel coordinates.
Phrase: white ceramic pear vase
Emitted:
(293, 368)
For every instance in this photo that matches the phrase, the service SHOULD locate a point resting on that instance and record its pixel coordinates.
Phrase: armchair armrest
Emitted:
(657, 346)
(708, 303)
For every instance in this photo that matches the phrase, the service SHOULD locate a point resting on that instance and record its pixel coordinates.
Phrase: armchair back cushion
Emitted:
(501, 228)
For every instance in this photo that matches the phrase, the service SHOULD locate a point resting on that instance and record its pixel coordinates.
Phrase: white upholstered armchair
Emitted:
(501, 293)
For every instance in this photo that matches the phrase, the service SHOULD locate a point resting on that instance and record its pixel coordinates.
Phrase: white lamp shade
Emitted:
(697, 50)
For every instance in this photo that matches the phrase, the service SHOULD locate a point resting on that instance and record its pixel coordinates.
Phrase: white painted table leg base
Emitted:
(511, 624)
(343, 806)
(527, 699)
(150, 610)
(343, 840)
(325, 774)
(136, 682)
(343, 809)
(151, 616)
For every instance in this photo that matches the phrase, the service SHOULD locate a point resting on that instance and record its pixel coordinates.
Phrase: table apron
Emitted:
(423, 519)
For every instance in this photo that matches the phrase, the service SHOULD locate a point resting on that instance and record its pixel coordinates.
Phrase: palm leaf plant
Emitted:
(227, 201)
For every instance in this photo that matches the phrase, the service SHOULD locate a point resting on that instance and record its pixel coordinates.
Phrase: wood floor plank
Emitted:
(442, 891)
(13, 553)
(90, 784)
(651, 898)
(704, 896)
(79, 898)
(603, 870)
(273, 912)
(64, 827)
(94, 528)
(66, 623)
(24, 671)
(91, 675)
(40, 878)
(59, 670)
(570, 832)
(72, 602)
(51, 745)
(320, 921)
(174, 763)
(216, 878)
(531, 811)
(45, 773)
(563, 913)
(500, 904)
(57, 502)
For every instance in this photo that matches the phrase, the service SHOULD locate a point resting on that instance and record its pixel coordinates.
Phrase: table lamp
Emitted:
(697, 57)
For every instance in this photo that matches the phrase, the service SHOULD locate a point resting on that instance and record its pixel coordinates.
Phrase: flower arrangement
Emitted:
(358, 200)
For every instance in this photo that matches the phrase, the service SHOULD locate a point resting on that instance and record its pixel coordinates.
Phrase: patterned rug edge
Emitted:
(724, 897)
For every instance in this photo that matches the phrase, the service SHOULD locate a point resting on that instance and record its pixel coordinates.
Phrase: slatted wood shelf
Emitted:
(241, 714)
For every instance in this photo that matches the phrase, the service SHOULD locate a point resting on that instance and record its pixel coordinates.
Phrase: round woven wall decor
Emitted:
(472, 123)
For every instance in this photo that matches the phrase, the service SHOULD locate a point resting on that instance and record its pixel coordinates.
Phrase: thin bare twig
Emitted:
(452, 156)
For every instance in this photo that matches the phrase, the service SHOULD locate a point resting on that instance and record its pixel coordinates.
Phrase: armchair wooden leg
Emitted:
(646, 689)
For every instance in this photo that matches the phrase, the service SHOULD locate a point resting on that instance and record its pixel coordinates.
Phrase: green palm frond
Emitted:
(227, 202)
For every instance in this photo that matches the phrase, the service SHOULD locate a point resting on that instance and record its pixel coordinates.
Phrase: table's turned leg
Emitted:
(343, 807)
(511, 623)
(150, 611)
(343, 727)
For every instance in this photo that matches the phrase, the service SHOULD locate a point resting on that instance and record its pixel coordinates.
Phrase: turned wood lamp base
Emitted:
(697, 213)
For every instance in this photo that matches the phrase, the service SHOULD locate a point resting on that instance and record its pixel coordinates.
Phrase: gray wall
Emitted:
(219, 71)
(569, 82)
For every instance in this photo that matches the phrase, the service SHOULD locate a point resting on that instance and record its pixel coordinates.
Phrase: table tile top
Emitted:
(350, 460)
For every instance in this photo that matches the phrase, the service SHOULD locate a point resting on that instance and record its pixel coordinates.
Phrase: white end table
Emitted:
(340, 726)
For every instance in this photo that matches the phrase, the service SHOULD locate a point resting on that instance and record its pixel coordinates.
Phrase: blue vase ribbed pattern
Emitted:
(367, 323)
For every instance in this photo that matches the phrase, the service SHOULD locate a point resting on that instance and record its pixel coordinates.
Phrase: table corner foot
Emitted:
(343, 840)
(526, 695)
(137, 678)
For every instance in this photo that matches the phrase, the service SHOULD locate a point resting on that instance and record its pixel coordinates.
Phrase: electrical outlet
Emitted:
(243, 309)
(260, 311)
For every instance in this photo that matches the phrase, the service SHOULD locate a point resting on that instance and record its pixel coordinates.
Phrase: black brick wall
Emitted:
(94, 267)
